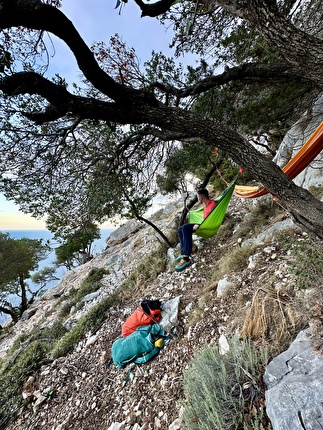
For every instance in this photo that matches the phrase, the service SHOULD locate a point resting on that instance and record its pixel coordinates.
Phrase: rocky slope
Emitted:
(82, 391)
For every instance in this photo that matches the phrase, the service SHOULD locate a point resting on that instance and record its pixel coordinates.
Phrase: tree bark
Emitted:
(299, 48)
(24, 302)
(132, 106)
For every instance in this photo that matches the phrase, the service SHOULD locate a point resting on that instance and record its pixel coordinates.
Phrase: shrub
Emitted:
(306, 263)
(13, 376)
(91, 283)
(89, 322)
(41, 344)
(147, 270)
(222, 390)
(96, 275)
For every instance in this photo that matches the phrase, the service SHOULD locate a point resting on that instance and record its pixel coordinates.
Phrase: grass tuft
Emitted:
(221, 390)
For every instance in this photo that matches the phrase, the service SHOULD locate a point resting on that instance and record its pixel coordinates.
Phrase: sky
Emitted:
(95, 20)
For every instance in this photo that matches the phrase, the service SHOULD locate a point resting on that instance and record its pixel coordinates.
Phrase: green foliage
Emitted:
(95, 276)
(228, 173)
(89, 322)
(164, 70)
(18, 257)
(48, 335)
(44, 276)
(148, 270)
(220, 389)
(42, 345)
(262, 107)
(306, 263)
(256, 108)
(245, 43)
(75, 243)
(89, 186)
(90, 284)
(194, 158)
(24, 363)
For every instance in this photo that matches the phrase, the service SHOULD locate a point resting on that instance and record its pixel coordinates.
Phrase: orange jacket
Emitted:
(139, 318)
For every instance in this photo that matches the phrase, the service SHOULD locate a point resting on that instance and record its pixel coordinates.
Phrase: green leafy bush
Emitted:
(222, 390)
(89, 322)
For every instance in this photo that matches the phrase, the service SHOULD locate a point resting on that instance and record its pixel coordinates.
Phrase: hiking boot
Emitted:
(179, 258)
(182, 265)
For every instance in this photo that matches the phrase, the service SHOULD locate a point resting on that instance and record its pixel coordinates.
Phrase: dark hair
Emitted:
(203, 192)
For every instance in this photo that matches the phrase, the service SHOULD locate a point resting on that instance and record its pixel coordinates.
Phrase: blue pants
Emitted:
(185, 238)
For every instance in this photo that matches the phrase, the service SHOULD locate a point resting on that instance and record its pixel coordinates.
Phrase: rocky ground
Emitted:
(82, 391)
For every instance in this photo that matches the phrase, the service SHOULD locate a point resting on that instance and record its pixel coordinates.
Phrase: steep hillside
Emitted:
(242, 282)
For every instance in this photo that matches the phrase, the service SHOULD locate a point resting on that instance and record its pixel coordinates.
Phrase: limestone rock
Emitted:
(295, 388)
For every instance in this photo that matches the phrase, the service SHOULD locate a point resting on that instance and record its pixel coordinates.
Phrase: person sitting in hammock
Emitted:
(185, 231)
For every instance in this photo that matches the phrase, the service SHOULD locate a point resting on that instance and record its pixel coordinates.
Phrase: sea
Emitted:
(98, 246)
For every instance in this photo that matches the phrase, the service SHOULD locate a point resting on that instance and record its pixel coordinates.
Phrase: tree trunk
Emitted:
(161, 234)
(24, 303)
(303, 206)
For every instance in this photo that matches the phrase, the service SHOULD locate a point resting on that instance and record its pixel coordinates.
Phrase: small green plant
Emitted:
(222, 390)
(306, 263)
(89, 322)
(233, 261)
(229, 172)
(148, 270)
(42, 334)
(89, 285)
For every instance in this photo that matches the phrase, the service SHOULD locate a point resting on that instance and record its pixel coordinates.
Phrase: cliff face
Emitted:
(247, 262)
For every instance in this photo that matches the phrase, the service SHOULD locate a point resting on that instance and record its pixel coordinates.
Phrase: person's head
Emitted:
(203, 194)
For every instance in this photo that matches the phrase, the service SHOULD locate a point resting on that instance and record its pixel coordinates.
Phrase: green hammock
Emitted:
(211, 224)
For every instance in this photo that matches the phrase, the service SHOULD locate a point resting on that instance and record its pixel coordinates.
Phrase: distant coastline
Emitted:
(47, 235)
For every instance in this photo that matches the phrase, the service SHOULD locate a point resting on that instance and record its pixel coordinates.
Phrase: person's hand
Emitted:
(196, 226)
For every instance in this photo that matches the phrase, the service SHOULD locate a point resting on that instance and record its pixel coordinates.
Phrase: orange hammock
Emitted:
(301, 159)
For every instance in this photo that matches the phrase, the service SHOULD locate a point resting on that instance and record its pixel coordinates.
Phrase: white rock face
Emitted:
(294, 382)
(295, 139)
